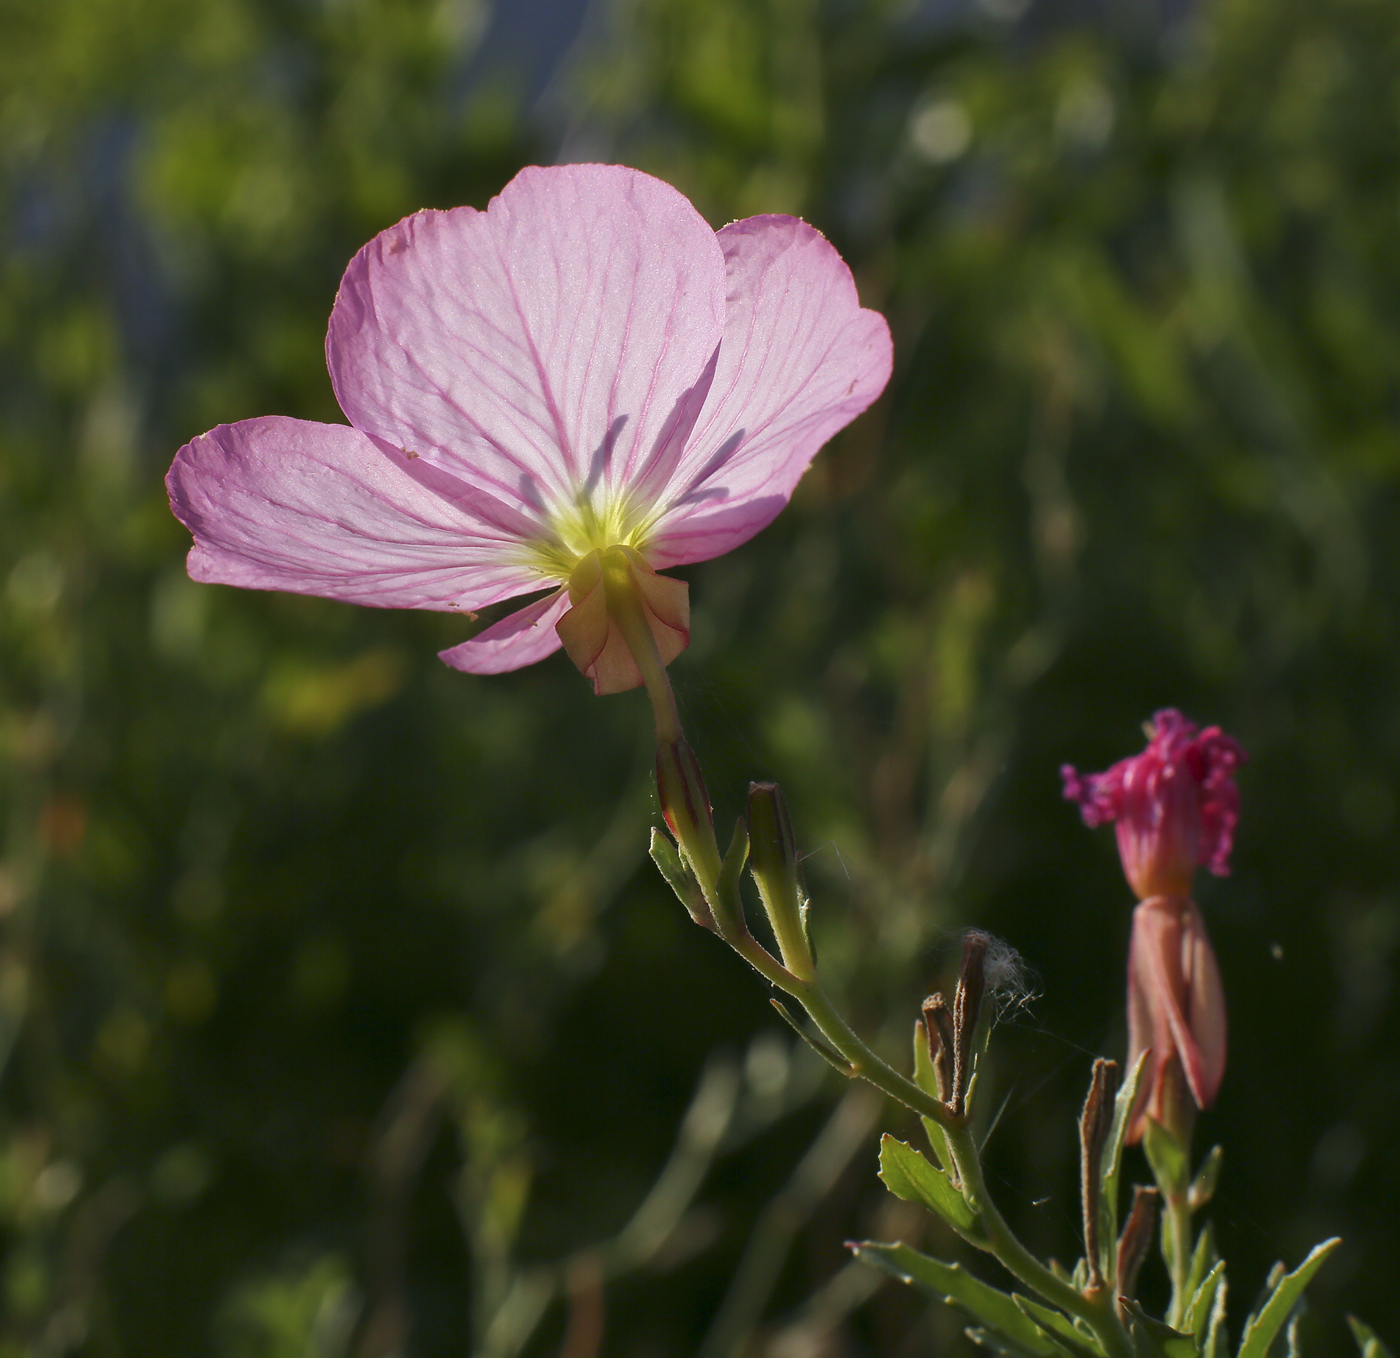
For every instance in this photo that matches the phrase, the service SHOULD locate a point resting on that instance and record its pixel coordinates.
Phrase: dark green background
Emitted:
(306, 938)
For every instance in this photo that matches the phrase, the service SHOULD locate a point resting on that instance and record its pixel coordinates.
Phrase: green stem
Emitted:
(1096, 1309)
(625, 609)
(1177, 1211)
(1000, 1240)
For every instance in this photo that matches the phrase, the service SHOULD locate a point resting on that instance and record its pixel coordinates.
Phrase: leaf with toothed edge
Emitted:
(1262, 1328)
(996, 1343)
(1007, 1327)
(909, 1176)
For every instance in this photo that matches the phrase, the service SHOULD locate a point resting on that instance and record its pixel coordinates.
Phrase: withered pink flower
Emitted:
(1175, 807)
(584, 372)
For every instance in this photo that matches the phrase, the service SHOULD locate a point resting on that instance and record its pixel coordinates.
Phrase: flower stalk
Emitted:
(796, 975)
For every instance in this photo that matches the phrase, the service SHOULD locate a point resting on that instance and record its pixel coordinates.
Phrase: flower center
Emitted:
(587, 526)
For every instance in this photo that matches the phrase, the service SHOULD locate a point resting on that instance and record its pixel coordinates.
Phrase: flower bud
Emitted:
(967, 1010)
(1094, 1124)
(773, 860)
(938, 1026)
(685, 805)
(1136, 1237)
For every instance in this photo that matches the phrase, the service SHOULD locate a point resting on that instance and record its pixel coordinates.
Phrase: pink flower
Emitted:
(1175, 804)
(581, 367)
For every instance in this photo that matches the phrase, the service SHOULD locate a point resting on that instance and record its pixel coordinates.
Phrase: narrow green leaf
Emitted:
(732, 868)
(909, 1176)
(927, 1081)
(1203, 1259)
(1261, 1330)
(1110, 1170)
(680, 879)
(1057, 1325)
(1275, 1277)
(1168, 1158)
(1207, 1178)
(836, 1062)
(1007, 1327)
(1217, 1343)
(1153, 1339)
(1367, 1340)
(1202, 1304)
(997, 1343)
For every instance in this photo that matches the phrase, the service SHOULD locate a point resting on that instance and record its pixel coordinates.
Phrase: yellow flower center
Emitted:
(588, 527)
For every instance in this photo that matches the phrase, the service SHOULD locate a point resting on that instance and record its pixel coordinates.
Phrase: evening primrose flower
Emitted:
(569, 392)
(1175, 807)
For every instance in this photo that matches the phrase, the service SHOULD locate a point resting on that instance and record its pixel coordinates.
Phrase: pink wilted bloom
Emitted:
(583, 372)
(1175, 807)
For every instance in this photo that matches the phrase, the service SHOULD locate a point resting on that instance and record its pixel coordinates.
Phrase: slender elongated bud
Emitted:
(774, 863)
(967, 1009)
(685, 805)
(1094, 1124)
(938, 1023)
(1136, 1237)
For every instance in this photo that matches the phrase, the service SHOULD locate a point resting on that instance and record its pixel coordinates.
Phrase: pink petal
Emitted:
(1166, 941)
(517, 640)
(1149, 1029)
(800, 360)
(276, 503)
(553, 342)
(1206, 1006)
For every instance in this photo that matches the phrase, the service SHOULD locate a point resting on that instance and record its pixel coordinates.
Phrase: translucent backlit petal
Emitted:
(1205, 1006)
(800, 359)
(519, 639)
(276, 503)
(553, 343)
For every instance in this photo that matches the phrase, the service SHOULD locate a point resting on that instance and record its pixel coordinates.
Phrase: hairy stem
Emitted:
(1176, 1221)
(1000, 1240)
(1096, 1308)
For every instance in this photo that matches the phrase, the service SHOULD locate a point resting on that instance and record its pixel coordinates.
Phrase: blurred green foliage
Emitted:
(339, 1009)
